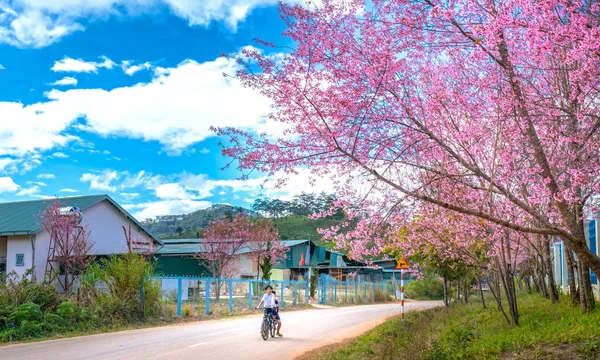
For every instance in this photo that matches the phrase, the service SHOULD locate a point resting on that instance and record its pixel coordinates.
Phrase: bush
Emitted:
(26, 312)
(428, 288)
(15, 291)
(69, 312)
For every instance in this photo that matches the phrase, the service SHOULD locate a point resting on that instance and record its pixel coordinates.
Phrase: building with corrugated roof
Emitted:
(24, 243)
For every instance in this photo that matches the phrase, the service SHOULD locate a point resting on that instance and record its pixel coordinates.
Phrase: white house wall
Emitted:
(18, 245)
(105, 224)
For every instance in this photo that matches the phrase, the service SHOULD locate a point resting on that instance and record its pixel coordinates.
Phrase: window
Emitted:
(20, 259)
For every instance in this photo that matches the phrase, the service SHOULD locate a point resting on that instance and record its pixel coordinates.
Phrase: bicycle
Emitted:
(268, 325)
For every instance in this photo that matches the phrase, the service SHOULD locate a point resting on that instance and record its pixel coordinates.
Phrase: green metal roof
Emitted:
(192, 246)
(23, 217)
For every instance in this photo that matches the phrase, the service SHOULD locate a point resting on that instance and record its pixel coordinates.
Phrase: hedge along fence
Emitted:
(202, 296)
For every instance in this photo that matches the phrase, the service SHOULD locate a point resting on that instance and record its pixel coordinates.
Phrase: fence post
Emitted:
(282, 296)
(355, 292)
(346, 287)
(365, 292)
(179, 296)
(250, 294)
(335, 284)
(230, 296)
(142, 297)
(373, 292)
(208, 297)
(294, 294)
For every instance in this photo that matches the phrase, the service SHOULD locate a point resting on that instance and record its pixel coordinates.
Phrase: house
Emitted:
(559, 259)
(24, 243)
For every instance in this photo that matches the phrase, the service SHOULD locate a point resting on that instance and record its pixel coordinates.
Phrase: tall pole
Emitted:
(402, 294)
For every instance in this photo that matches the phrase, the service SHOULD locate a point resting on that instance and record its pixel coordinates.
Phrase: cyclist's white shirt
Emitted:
(269, 300)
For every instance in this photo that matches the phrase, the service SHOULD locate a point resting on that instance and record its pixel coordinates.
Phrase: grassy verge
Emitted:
(547, 331)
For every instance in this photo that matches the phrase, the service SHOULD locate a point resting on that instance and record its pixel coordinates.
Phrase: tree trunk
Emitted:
(458, 290)
(446, 302)
(582, 296)
(587, 287)
(466, 290)
(481, 292)
(497, 296)
(528, 284)
(549, 269)
(571, 273)
(507, 278)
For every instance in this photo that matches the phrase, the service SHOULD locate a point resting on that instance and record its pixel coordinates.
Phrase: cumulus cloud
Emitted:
(68, 64)
(39, 23)
(46, 176)
(112, 180)
(132, 69)
(66, 81)
(29, 191)
(149, 210)
(68, 190)
(176, 108)
(8, 185)
(60, 155)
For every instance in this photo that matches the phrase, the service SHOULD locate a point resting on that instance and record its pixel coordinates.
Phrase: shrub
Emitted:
(69, 312)
(428, 288)
(15, 291)
(26, 312)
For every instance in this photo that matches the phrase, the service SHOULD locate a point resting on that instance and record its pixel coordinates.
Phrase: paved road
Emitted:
(226, 339)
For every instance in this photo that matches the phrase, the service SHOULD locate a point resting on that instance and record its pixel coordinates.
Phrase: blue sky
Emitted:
(117, 97)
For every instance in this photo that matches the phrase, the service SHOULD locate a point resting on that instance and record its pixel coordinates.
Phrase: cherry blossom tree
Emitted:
(266, 248)
(223, 240)
(72, 245)
(487, 109)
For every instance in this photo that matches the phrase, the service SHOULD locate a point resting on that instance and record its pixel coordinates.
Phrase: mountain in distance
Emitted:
(188, 225)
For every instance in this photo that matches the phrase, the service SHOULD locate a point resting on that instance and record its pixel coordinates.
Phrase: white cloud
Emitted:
(205, 151)
(150, 210)
(132, 69)
(175, 109)
(46, 176)
(101, 181)
(171, 191)
(129, 196)
(8, 185)
(60, 155)
(66, 81)
(39, 23)
(2, 67)
(38, 183)
(6, 163)
(68, 64)
(106, 152)
(29, 191)
(111, 180)
(67, 190)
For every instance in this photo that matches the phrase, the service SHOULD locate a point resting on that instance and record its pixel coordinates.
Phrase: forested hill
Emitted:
(290, 217)
(188, 225)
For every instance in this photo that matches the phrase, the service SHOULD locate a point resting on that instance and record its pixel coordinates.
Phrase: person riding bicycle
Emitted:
(270, 305)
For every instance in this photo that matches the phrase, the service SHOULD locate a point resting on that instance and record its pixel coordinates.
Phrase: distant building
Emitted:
(559, 259)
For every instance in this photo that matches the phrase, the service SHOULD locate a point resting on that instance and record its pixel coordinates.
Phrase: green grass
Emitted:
(470, 332)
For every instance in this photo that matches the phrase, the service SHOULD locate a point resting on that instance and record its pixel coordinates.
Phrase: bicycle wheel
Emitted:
(264, 330)
(273, 327)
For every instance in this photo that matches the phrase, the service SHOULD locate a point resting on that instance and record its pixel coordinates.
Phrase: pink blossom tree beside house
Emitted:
(70, 246)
